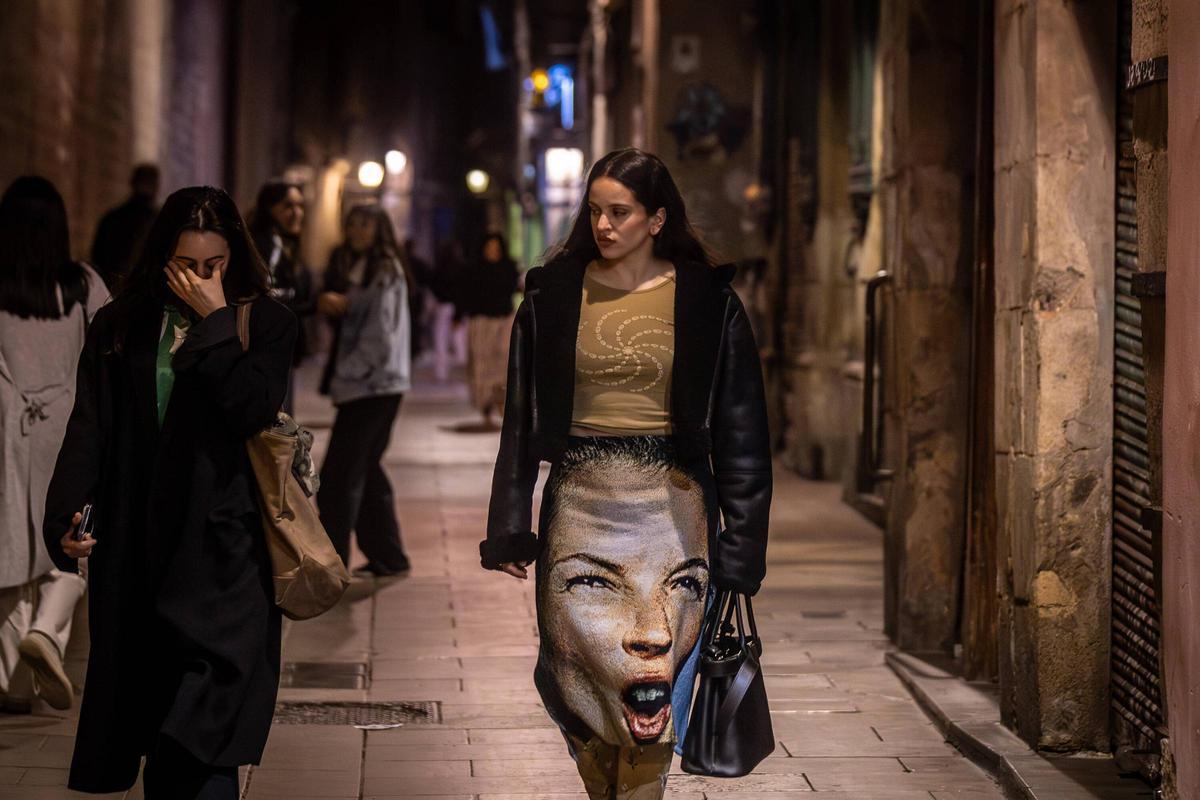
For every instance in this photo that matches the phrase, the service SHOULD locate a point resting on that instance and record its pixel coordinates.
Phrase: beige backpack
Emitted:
(309, 574)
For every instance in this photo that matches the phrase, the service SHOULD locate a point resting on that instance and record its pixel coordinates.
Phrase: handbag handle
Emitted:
(737, 691)
(730, 605)
(727, 606)
(722, 617)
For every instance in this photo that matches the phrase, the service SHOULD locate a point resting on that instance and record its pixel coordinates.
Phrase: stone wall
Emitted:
(824, 304)
(925, 194)
(65, 111)
(1054, 254)
(91, 88)
(1181, 407)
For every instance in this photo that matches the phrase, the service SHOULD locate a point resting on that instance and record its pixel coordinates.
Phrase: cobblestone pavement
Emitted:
(465, 641)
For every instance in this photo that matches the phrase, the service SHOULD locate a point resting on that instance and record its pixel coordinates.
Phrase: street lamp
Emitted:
(396, 161)
(478, 181)
(370, 174)
(564, 166)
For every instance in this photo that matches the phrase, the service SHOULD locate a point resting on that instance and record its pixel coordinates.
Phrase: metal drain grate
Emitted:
(324, 675)
(410, 712)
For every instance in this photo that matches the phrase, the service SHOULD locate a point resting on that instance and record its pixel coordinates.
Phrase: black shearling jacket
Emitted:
(718, 411)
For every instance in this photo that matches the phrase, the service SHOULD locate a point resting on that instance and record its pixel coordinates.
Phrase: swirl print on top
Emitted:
(624, 354)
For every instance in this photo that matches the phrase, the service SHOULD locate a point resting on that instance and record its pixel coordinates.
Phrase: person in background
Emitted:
(419, 274)
(46, 303)
(184, 662)
(449, 333)
(368, 372)
(276, 225)
(487, 299)
(121, 231)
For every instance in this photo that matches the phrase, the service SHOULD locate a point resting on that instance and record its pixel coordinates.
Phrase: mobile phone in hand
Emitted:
(87, 523)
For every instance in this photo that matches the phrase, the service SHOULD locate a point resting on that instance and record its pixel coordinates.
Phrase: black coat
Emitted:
(291, 284)
(718, 411)
(185, 631)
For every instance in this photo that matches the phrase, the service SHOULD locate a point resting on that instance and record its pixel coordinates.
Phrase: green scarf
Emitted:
(164, 378)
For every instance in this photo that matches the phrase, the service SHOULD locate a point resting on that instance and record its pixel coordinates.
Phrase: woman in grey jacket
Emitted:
(366, 294)
(46, 302)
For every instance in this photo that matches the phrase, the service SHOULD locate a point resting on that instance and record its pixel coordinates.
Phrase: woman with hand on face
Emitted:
(366, 295)
(634, 372)
(184, 661)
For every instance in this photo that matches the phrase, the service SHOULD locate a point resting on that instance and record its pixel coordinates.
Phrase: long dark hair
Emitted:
(35, 252)
(261, 222)
(196, 208)
(647, 177)
(285, 271)
(382, 253)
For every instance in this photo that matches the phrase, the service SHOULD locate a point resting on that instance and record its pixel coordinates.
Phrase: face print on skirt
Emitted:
(622, 580)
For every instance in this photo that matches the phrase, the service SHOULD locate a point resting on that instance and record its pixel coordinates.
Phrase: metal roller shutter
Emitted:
(1136, 697)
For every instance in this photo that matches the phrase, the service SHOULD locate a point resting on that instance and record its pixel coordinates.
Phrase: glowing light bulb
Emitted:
(370, 174)
(478, 181)
(396, 161)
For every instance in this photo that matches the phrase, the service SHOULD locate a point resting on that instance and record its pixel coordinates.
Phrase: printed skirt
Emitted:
(622, 589)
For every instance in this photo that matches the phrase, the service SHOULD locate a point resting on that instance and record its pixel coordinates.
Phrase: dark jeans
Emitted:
(172, 773)
(355, 493)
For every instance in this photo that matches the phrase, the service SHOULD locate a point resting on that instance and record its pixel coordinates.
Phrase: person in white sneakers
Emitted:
(46, 302)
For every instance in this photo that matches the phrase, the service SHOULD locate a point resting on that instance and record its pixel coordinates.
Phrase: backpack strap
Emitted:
(243, 325)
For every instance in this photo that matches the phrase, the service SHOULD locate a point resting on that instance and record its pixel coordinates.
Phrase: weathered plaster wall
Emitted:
(925, 193)
(65, 110)
(820, 434)
(261, 120)
(1181, 407)
(712, 186)
(1149, 41)
(1054, 277)
(93, 87)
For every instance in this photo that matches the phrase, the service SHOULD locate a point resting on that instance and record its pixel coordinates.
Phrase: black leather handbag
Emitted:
(729, 731)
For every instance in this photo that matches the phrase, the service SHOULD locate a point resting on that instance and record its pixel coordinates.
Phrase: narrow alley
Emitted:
(872, 295)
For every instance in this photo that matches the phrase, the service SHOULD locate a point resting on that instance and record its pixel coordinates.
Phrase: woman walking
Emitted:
(487, 297)
(276, 225)
(366, 292)
(46, 303)
(640, 384)
(184, 662)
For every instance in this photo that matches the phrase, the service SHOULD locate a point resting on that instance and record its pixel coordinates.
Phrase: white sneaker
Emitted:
(41, 654)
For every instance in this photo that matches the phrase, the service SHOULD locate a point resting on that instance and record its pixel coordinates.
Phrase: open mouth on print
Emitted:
(647, 708)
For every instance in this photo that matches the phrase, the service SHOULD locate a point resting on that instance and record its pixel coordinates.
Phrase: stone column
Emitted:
(1181, 406)
(1054, 183)
(926, 198)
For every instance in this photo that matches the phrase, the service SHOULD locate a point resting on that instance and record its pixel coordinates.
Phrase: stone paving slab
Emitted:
(969, 715)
